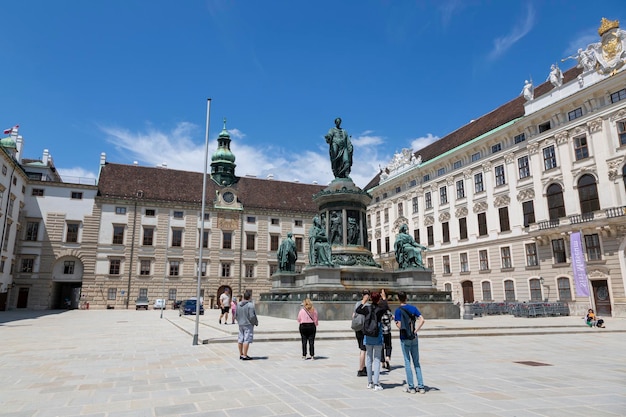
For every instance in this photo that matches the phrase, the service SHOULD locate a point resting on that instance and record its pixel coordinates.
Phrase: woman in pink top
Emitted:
(307, 317)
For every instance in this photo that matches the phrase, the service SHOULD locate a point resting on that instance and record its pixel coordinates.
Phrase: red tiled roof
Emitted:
(503, 114)
(169, 185)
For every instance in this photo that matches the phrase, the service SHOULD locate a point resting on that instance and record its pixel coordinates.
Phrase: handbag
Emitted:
(357, 322)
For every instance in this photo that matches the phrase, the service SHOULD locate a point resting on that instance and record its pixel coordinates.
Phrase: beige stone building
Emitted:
(498, 201)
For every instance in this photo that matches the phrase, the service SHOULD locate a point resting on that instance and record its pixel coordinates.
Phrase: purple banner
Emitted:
(579, 265)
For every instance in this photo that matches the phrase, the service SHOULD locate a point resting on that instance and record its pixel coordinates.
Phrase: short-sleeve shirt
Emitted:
(225, 300)
(408, 307)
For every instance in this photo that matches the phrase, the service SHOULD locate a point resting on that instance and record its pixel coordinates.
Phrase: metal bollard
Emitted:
(467, 312)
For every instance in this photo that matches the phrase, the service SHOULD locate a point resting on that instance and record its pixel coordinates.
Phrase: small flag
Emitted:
(11, 130)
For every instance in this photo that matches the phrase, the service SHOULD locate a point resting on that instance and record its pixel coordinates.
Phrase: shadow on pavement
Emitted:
(24, 314)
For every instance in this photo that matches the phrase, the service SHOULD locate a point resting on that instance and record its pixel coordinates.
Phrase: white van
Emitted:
(159, 304)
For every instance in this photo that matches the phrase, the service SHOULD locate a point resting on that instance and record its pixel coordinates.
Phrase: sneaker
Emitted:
(246, 358)
(410, 390)
(220, 321)
(370, 385)
(362, 372)
(304, 358)
(421, 390)
(378, 387)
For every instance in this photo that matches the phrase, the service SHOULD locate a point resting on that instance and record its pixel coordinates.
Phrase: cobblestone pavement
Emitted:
(122, 363)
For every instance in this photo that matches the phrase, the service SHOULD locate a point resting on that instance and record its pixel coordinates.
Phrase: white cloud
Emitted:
(422, 142)
(521, 28)
(582, 40)
(78, 175)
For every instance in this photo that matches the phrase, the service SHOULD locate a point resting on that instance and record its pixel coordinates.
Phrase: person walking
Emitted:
(233, 307)
(247, 319)
(358, 334)
(225, 305)
(405, 317)
(373, 341)
(307, 317)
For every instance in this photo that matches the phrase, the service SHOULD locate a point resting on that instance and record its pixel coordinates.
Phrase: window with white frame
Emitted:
(592, 243)
(486, 287)
(531, 254)
(118, 234)
(428, 202)
(445, 232)
(174, 268)
(415, 205)
(535, 289)
(519, 138)
(463, 228)
(621, 132)
(443, 195)
(120, 210)
(558, 251)
(460, 189)
(499, 173)
(475, 156)
(478, 183)
(144, 267)
(464, 262)
(111, 294)
(179, 214)
(400, 210)
(483, 257)
(274, 242)
(225, 269)
(523, 167)
(177, 237)
(114, 266)
(446, 264)
(575, 114)
(250, 241)
(505, 256)
(509, 290)
(32, 231)
(549, 158)
(564, 288)
(27, 265)
(148, 235)
(496, 148)
(386, 215)
(171, 294)
(581, 150)
(250, 270)
(618, 95)
(227, 239)
(457, 164)
(71, 235)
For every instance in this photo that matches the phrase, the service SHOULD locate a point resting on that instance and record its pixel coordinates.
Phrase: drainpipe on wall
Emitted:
(132, 250)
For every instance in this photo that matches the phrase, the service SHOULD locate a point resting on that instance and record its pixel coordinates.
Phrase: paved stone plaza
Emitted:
(123, 363)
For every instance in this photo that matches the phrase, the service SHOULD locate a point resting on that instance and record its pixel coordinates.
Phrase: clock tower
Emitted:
(223, 161)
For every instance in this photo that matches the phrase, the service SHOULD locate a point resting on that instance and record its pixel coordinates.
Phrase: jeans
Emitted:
(307, 333)
(373, 354)
(410, 350)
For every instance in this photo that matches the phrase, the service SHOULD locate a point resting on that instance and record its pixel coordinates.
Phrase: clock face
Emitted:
(229, 197)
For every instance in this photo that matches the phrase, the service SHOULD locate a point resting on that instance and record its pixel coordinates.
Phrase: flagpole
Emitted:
(206, 163)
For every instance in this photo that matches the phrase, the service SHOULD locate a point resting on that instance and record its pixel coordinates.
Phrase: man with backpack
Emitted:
(405, 317)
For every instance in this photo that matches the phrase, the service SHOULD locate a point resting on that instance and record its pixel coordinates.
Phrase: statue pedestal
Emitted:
(335, 290)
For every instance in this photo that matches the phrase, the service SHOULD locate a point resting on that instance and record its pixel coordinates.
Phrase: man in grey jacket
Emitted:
(246, 318)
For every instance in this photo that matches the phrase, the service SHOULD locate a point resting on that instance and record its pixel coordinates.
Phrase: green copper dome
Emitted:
(8, 143)
(223, 152)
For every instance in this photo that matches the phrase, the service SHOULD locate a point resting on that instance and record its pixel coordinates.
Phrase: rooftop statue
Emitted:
(408, 251)
(528, 91)
(556, 76)
(287, 254)
(586, 57)
(340, 150)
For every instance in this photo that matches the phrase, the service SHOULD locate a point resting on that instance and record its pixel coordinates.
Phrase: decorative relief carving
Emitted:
(487, 166)
(480, 207)
(428, 220)
(467, 173)
(399, 222)
(461, 212)
(509, 158)
(444, 217)
(501, 201)
(579, 130)
(614, 165)
(619, 115)
(526, 194)
(587, 169)
(377, 234)
(548, 141)
(595, 125)
(561, 137)
(532, 148)
(227, 221)
(552, 178)
(450, 180)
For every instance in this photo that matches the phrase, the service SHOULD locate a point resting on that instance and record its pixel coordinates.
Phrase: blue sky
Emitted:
(130, 78)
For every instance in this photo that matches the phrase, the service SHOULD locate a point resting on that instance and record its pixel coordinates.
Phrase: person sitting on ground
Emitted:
(590, 319)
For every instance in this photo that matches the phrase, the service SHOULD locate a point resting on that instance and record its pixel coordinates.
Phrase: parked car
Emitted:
(142, 302)
(159, 303)
(176, 304)
(189, 307)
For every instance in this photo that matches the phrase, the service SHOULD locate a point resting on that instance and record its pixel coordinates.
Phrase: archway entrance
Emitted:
(220, 291)
(468, 291)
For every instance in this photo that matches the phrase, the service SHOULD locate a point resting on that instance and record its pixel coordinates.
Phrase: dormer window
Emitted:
(496, 148)
(544, 126)
(575, 114)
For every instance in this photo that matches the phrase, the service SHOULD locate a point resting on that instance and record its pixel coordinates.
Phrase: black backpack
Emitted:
(370, 326)
(407, 325)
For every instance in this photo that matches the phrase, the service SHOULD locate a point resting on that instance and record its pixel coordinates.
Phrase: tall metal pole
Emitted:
(206, 164)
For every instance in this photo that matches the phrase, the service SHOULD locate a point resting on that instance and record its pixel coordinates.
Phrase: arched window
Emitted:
(509, 290)
(535, 289)
(565, 291)
(556, 205)
(448, 287)
(588, 194)
(486, 287)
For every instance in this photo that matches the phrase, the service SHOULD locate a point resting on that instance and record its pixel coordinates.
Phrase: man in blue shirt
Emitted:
(405, 317)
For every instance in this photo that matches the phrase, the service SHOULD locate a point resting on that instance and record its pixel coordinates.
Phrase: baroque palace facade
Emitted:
(137, 233)
(496, 201)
